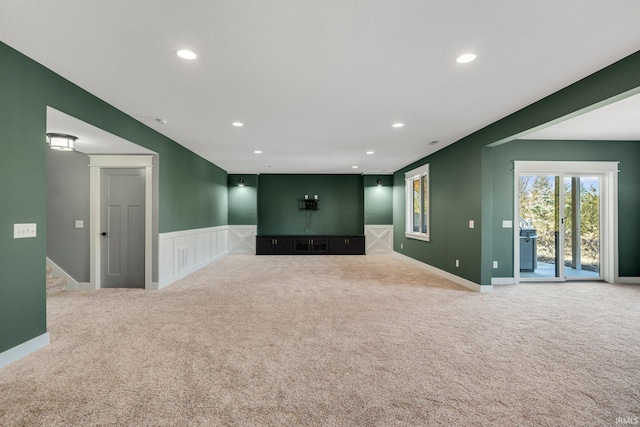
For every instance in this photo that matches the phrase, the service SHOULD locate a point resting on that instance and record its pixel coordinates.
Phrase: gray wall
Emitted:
(68, 195)
(67, 201)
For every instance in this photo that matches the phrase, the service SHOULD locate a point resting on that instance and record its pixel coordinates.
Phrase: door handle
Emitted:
(104, 234)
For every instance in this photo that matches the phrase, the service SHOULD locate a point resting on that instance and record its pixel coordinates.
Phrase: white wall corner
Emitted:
(456, 279)
(242, 239)
(379, 239)
(24, 349)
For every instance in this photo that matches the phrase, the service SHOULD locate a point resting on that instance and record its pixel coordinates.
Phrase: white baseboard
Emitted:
(57, 271)
(184, 273)
(184, 252)
(24, 349)
(457, 279)
(628, 280)
(503, 281)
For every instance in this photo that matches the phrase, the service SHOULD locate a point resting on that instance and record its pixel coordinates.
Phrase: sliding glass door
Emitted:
(559, 227)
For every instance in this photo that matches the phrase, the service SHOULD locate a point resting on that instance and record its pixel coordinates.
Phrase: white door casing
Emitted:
(608, 171)
(96, 163)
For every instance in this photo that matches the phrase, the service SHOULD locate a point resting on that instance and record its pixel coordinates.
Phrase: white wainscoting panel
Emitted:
(242, 239)
(183, 252)
(379, 239)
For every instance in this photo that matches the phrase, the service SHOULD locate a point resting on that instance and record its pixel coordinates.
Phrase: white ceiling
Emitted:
(619, 121)
(91, 140)
(318, 83)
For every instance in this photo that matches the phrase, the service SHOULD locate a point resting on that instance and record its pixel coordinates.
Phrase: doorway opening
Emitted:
(566, 216)
(73, 189)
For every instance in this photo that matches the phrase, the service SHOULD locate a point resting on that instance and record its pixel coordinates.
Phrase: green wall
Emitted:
(341, 204)
(378, 199)
(462, 175)
(243, 201)
(193, 192)
(625, 152)
(454, 200)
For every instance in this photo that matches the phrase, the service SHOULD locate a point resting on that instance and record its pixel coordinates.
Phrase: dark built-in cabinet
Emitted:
(310, 245)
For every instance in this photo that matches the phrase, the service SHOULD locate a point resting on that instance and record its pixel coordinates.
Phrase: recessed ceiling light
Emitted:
(354, 167)
(237, 124)
(467, 57)
(398, 125)
(434, 142)
(257, 152)
(187, 54)
(370, 152)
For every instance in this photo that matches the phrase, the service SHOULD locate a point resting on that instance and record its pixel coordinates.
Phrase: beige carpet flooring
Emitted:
(331, 341)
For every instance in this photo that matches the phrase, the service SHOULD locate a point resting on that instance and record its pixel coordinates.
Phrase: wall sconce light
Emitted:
(241, 183)
(379, 182)
(61, 141)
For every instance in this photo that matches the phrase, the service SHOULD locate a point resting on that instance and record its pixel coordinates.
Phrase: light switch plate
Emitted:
(472, 223)
(24, 231)
(79, 223)
(507, 223)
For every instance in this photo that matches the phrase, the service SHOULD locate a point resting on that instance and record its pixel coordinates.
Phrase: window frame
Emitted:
(409, 177)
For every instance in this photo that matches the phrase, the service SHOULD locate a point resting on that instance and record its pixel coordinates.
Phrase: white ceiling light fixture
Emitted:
(397, 125)
(354, 167)
(61, 141)
(370, 152)
(187, 54)
(237, 124)
(467, 57)
(257, 152)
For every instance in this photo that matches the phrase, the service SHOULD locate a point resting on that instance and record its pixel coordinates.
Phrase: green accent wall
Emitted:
(341, 204)
(454, 200)
(378, 199)
(243, 201)
(462, 175)
(192, 191)
(625, 152)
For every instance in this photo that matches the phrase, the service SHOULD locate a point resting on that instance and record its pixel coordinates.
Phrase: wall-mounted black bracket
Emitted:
(309, 205)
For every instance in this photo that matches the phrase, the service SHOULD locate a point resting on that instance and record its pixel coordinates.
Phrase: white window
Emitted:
(417, 199)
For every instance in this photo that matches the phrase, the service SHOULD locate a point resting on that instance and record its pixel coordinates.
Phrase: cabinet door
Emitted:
(283, 245)
(319, 245)
(337, 245)
(355, 245)
(264, 245)
(302, 245)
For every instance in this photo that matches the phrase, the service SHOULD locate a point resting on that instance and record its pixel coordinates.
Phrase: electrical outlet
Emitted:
(495, 264)
(401, 245)
(507, 223)
(23, 231)
(457, 263)
(472, 223)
